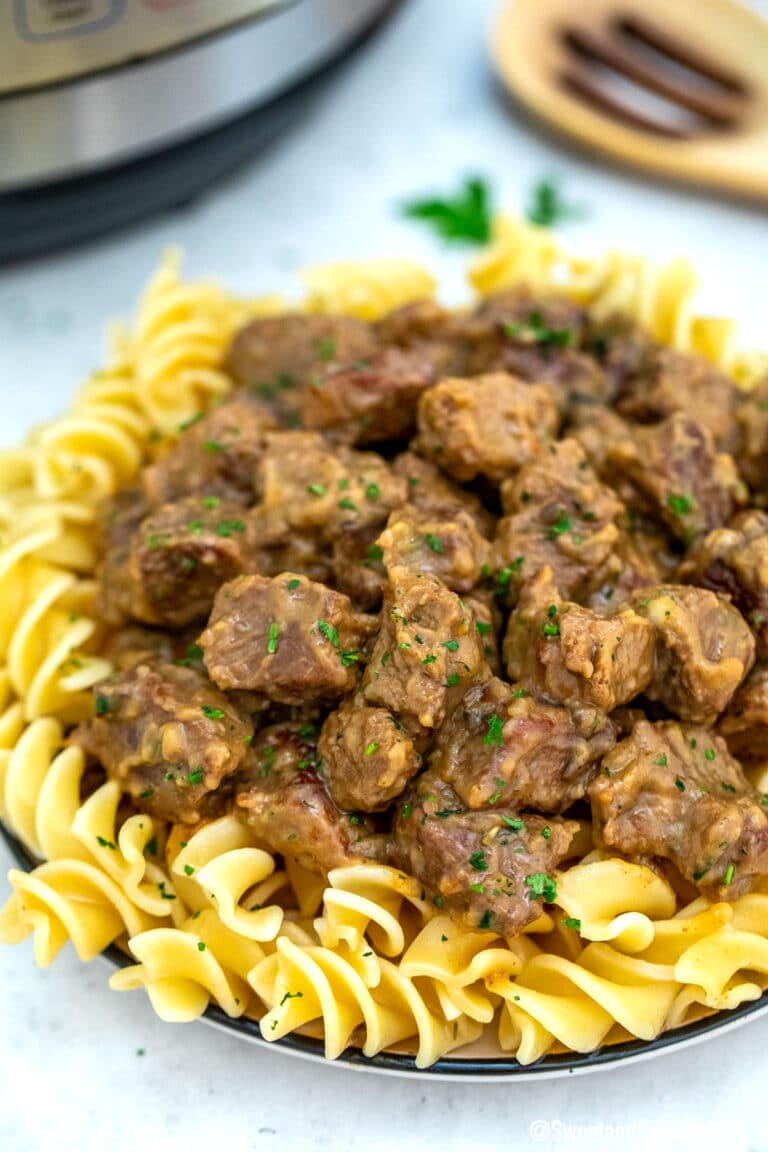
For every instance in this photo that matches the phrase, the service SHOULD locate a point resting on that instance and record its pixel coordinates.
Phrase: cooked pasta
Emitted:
(206, 914)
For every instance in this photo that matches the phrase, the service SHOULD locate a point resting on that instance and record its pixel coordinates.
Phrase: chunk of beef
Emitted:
(568, 654)
(367, 757)
(489, 869)
(538, 342)
(369, 400)
(448, 546)
(734, 562)
(752, 437)
(561, 516)
(358, 567)
(275, 356)
(744, 726)
(280, 795)
(487, 426)
(675, 792)
(432, 331)
(286, 637)
(675, 467)
(427, 654)
(216, 455)
(430, 490)
(703, 652)
(169, 737)
(175, 561)
(653, 382)
(310, 489)
(503, 747)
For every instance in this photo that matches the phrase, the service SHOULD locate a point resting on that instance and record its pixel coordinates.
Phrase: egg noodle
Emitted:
(362, 958)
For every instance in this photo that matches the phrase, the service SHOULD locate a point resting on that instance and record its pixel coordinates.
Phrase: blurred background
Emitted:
(278, 139)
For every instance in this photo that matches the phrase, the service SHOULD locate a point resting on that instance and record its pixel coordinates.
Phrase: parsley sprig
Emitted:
(464, 217)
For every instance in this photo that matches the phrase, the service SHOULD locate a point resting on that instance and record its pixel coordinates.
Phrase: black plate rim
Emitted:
(452, 1067)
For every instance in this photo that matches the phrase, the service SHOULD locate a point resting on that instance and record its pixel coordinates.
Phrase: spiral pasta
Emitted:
(361, 957)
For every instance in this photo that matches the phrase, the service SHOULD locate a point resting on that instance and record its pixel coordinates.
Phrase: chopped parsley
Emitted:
(374, 552)
(536, 329)
(316, 489)
(560, 526)
(212, 713)
(541, 884)
(550, 628)
(434, 542)
(518, 694)
(188, 869)
(513, 823)
(709, 754)
(478, 862)
(198, 416)
(106, 843)
(102, 705)
(486, 919)
(348, 504)
(214, 446)
(483, 629)
(429, 659)
(293, 584)
(371, 748)
(200, 946)
(329, 632)
(679, 784)
(681, 505)
(494, 733)
(274, 632)
(327, 348)
(546, 832)
(407, 809)
(451, 645)
(464, 217)
(573, 922)
(349, 657)
(229, 527)
(728, 876)
(661, 760)
(372, 492)
(196, 776)
(452, 680)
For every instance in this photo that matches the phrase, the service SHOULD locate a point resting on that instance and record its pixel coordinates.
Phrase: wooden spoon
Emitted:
(677, 86)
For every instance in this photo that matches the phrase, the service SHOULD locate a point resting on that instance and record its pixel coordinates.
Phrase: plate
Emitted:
(458, 1067)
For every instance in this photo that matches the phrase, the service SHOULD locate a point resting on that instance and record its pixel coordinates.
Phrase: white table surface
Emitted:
(415, 111)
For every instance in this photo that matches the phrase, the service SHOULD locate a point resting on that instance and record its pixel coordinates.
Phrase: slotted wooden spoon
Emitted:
(677, 86)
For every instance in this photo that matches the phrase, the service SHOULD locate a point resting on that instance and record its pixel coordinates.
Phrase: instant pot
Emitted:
(110, 109)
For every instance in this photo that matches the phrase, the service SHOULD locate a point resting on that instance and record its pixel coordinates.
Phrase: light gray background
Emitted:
(416, 111)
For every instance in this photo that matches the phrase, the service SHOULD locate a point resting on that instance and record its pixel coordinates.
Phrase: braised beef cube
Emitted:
(369, 400)
(176, 560)
(538, 342)
(286, 637)
(734, 562)
(447, 546)
(488, 426)
(275, 356)
(281, 796)
(752, 438)
(560, 516)
(216, 455)
(492, 869)
(503, 747)
(654, 381)
(430, 490)
(568, 654)
(481, 603)
(675, 792)
(674, 465)
(169, 738)
(703, 652)
(367, 757)
(744, 726)
(427, 655)
(310, 488)
(429, 329)
(358, 568)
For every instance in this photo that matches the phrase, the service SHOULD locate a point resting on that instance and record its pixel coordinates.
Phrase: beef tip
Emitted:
(358, 567)
(561, 516)
(744, 726)
(703, 651)
(275, 356)
(503, 747)
(643, 556)
(734, 562)
(310, 489)
(675, 792)
(432, 331)
(430, 490)
(752, 435)
(369, 400)
(216, 456)
(367, 758)
(538, 342)
(169, 737)
(653, 382)
(427, 654)
(286, 637)
(675, 467)
(489, 869)
(487, 426)
(175, 561)
(281, 796)
(447, 546)
(568, 654)
(481, 603)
